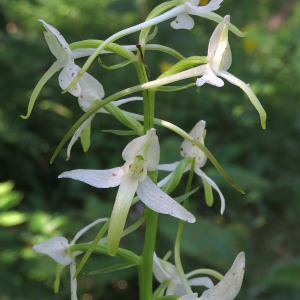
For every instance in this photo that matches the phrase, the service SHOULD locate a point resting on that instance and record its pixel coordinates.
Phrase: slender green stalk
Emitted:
(206, 272)
(141, 72)
(146, 260)
(145, 268)
(178, 264)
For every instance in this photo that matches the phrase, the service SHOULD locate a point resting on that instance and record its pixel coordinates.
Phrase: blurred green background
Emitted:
(35, 205)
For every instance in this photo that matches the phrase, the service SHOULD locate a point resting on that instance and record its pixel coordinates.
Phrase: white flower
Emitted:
(58, 249)
(141, 155)
(228, 287)
(220, 59)
(189, 150)
(165, 271)
(88, 89)
(184, 21)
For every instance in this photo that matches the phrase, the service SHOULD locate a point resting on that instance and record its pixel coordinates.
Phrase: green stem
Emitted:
(145, 268)
(141, 73)
(178, 264)
(146, 260)
(206, 272)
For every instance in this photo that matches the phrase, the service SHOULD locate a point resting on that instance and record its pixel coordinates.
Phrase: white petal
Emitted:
(226, 60)
(212, 5)
(66, 76)
(58, 35)
(158, 271)
(135, 147)
(157, 200)
(86, 228)
(97, 178)
(180, 291)
(122, 101)
(183, 21)
(82, 52)
(73, 281)
(119, 102)
(168, 167)
(56, 49)
(193, 296)
(212, 183)
(91, 89)
(230, 285)
(57, 248)
(187, 149)
(209, 77)
(216, 61)
(201, 281)
(215, 38)
(77, 134)
(120, 211)
(153, 156)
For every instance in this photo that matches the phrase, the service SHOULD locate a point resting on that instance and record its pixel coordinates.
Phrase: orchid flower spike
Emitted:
(220, 59)
(58, 249)
(88, 89)
(165, 271)
(141, 155)
(228, 287)
(187, 149)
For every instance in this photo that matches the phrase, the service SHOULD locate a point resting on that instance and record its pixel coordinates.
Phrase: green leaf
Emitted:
(113, 268)
(117, 66)
(121, 132)
(183, 197)
(174, 88)
(209, 197)
(85, 138)
(152, 35)
(12, 218)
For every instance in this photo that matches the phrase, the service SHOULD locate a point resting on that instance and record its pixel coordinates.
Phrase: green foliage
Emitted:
(265, 222)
